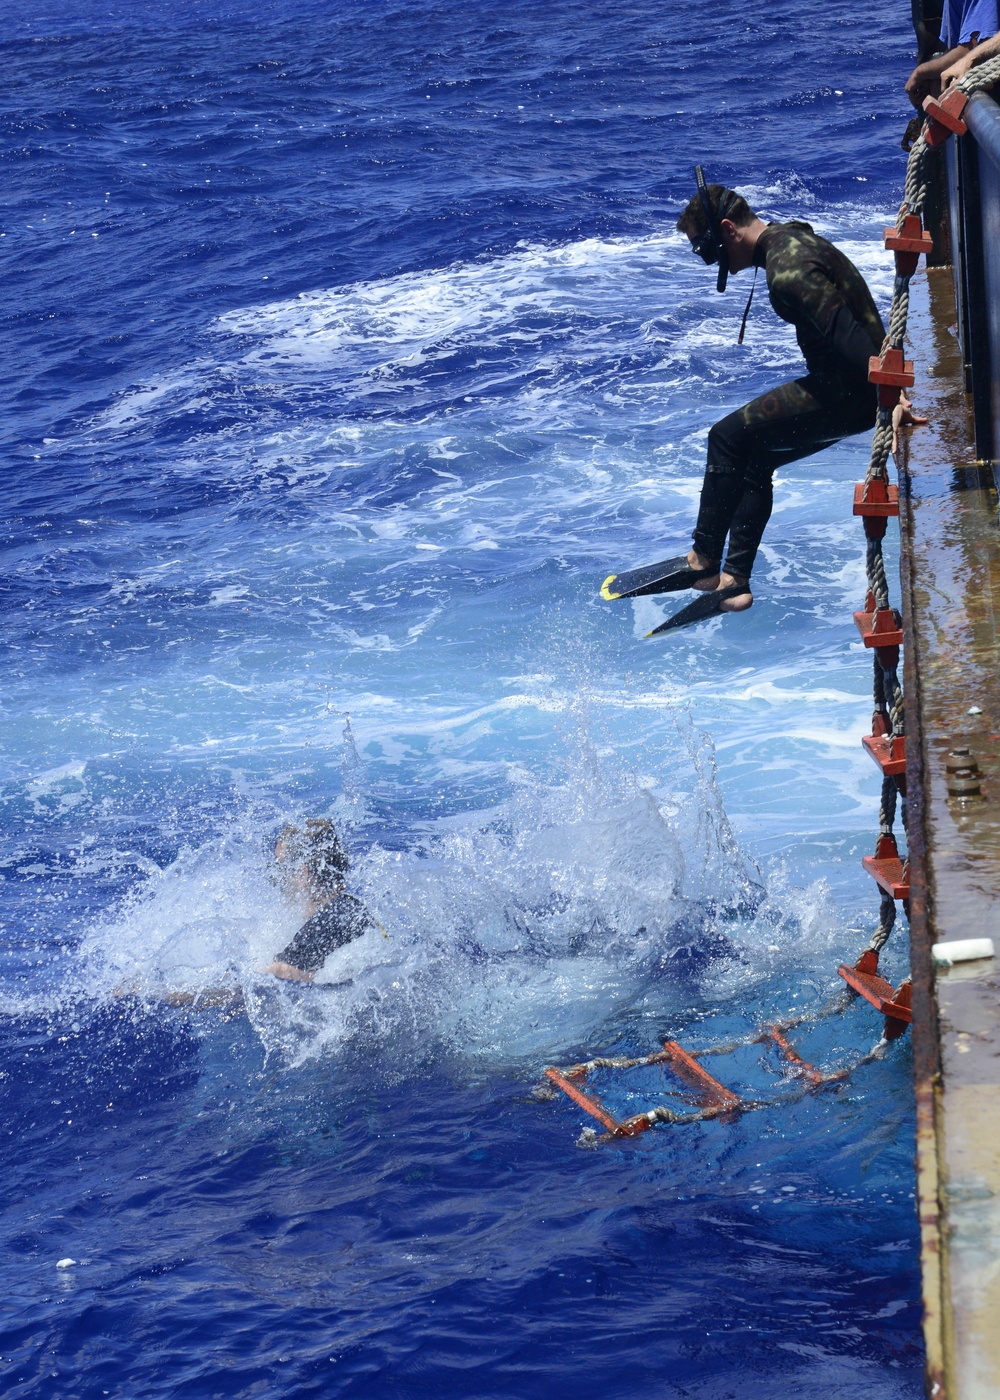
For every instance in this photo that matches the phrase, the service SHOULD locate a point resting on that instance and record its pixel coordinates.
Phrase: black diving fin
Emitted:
(706, 605)
(669, 576)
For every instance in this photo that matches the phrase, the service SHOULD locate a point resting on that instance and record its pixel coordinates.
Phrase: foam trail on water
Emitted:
(530, 332)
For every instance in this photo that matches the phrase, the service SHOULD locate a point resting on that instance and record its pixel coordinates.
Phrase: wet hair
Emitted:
(726, 204)
(316, 844)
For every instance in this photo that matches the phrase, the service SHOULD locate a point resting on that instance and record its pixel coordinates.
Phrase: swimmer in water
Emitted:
(314, 863)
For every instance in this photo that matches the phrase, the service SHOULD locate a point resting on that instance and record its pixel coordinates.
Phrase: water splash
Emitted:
(570, 914)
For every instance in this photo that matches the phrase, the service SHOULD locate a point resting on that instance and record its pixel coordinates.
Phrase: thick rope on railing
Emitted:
(984, 75)
(945, 116)
(875, 568)
(886, 923)
(887, 807)
(888, 691)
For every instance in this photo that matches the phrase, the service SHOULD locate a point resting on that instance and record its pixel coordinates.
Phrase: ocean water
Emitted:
(347, 349)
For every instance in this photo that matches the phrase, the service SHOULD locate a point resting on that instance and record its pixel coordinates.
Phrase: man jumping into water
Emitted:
(812, 285)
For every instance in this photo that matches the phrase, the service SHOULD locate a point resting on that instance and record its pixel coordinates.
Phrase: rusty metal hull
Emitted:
(950, 564)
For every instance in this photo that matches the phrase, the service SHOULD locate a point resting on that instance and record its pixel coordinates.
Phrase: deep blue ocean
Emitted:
(346, 350)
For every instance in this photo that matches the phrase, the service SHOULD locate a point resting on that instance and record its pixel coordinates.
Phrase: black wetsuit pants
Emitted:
(792, 421)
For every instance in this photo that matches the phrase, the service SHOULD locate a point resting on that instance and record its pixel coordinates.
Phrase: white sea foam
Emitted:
(467, 300)
(563, 307)
(58, 790)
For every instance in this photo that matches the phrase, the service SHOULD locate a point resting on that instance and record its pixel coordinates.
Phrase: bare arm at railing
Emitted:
(989, 48)
(926, 78)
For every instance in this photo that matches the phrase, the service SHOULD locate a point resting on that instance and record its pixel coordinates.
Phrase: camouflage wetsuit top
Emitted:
(823, 295)
(820, 291)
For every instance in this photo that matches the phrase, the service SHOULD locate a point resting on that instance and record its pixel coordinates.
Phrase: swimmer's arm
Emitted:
(288, 972)
(210, 998)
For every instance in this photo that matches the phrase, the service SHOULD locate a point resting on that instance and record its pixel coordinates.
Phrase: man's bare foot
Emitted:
(290, 973)
(739, 603)
(699, 561)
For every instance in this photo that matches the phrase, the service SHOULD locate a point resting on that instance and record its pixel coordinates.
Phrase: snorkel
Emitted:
(709, 245)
